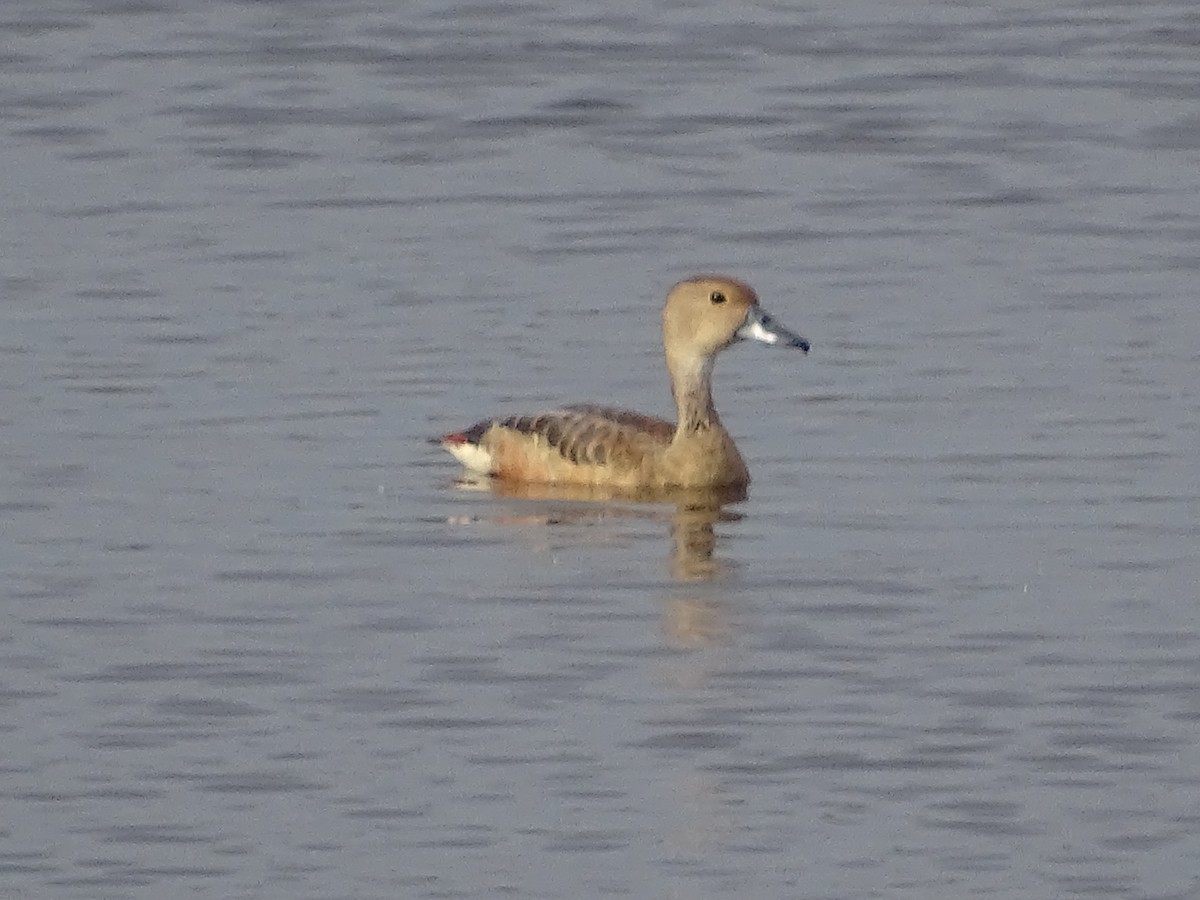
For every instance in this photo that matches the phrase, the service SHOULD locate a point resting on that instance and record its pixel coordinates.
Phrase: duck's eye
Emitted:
(716, 297)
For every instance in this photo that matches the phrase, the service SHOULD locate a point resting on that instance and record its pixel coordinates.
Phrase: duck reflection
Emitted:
(691, 616)
(695, 618)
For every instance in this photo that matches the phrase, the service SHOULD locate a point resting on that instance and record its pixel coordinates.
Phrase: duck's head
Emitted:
(705, 314)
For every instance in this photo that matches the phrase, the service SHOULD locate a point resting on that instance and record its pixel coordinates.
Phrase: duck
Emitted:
(600, 446)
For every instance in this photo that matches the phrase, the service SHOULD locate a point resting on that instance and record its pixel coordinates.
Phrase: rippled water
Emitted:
(257, 644)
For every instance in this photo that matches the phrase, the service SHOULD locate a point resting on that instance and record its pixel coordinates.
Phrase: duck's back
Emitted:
(584, 443)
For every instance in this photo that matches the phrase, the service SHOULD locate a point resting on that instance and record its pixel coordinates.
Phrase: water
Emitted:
(256, 643)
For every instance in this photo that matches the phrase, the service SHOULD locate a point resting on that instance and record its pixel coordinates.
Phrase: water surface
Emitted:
(257, 644)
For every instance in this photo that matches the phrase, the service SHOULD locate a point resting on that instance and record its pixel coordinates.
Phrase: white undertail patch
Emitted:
(472, 456)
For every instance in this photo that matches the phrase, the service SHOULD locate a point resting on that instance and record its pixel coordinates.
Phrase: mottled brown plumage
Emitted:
(592, 435)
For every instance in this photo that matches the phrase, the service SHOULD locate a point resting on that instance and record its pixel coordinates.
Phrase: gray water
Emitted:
(256, 643)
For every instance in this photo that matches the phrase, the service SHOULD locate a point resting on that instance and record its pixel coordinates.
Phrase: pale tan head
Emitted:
(706, 313)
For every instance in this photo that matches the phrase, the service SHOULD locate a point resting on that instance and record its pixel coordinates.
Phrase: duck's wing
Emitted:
(583, 435)
(593, 435)
(650, 427)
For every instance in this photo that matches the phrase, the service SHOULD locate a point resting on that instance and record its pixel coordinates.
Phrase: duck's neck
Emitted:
(691, 383)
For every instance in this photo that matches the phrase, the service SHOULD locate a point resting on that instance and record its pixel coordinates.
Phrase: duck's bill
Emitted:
(762, 328)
